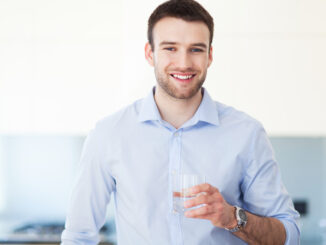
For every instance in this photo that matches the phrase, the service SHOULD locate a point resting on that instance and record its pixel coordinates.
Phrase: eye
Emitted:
(196, 50)
(169, 49)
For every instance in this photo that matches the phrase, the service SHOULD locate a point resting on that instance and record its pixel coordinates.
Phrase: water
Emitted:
(181, 186)
(178, 204)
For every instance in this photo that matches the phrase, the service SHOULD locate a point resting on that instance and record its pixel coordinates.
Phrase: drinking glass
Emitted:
(181, 184)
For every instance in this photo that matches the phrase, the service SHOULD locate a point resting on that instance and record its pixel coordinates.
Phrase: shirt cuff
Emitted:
(77, 238)
(292, 232)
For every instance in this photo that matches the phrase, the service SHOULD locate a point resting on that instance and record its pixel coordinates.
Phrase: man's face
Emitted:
(181, 56)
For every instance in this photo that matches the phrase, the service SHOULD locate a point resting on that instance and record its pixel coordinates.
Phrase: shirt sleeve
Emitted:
(90, 196)
(263, 191)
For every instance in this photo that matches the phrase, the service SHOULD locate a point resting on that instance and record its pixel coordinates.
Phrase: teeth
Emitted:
(181, 76)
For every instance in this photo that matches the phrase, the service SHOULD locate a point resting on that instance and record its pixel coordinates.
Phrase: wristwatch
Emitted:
(242, 219)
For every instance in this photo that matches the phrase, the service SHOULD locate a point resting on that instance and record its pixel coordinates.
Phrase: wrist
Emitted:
(241, 219)
(233, 220)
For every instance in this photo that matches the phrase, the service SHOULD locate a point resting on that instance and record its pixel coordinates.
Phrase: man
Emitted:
(178, 128)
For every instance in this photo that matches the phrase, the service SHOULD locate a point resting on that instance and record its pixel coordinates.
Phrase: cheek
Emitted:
(163, 64)
(203, 64)
(166, 57)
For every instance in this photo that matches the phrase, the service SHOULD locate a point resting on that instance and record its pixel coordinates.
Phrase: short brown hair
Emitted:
(188, 10)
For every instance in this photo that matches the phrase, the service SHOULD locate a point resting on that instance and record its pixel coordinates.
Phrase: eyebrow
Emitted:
(203, 45)
(167, 43)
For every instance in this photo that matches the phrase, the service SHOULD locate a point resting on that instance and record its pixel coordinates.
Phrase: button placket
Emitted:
(174, 168)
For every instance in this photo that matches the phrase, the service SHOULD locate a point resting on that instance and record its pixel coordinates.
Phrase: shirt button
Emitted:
(176, 134)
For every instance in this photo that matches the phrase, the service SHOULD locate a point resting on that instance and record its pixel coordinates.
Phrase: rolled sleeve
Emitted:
(292, 232)
(76, 238)
(90, 196)
(264, 192)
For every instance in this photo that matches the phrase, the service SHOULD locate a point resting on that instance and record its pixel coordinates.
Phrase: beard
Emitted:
(167, 85)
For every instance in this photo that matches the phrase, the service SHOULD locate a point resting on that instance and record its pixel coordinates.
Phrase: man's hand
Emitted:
(214, 208)
(259, 230)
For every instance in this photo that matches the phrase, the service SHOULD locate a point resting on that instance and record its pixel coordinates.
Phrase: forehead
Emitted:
(180, 31)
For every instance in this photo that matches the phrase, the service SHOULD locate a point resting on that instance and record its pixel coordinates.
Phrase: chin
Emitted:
(179, 91)
(184, 95)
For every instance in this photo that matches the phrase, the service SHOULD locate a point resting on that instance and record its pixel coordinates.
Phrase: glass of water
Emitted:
(181, 183)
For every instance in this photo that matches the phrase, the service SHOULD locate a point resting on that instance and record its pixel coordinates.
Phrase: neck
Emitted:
(176, 111)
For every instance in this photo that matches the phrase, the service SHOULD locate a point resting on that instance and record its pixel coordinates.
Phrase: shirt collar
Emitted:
(206, 112)
(148, 109)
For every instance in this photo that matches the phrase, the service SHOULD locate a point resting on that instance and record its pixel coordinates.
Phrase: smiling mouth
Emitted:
(183, 77)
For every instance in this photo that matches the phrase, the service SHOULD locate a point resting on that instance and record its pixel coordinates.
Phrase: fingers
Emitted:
(193, 191)
(205, 194)
(209, 197)
(177, 194)
(209, 205)
(184, 193)
(204, 216)
(202, 198)
(204, 212)
(209, 189)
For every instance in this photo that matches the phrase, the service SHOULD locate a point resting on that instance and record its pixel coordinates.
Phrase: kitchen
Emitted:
(65, 65)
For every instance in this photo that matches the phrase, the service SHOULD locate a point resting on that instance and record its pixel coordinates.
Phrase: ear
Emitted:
(149, 54)
(210, 56)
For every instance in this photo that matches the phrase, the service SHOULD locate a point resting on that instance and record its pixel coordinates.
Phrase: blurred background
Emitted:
(65, 64)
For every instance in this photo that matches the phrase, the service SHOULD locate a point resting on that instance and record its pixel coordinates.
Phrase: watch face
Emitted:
(242, 215)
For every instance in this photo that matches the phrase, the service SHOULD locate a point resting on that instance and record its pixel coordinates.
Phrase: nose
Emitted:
(183, 61)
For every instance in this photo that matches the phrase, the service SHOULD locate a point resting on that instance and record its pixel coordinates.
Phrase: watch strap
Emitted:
(240, 223)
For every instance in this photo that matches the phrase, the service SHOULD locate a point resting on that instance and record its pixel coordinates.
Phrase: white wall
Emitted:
(66, 64)
(270, 59)
(60, 64)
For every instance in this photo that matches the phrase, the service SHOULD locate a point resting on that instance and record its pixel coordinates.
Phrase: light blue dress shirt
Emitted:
(133, 153)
